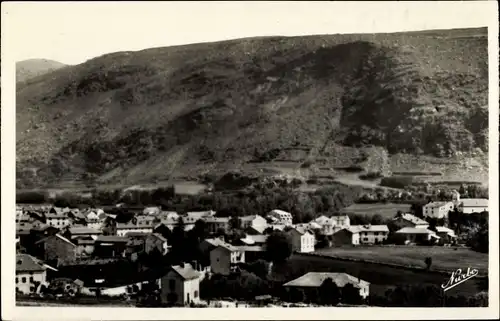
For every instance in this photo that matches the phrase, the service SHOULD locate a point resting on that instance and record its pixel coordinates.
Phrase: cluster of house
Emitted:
(48, 238)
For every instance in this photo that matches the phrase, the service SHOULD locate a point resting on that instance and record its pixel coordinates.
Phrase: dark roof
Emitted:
(111, 238)
(187, 272)
(27, 263)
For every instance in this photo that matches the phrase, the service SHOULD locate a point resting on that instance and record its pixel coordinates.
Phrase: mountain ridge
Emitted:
(267, 103)
(31, 68)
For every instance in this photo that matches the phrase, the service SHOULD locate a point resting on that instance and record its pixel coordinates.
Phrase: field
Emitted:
(388, 210)
(385, 276)
(443, 258)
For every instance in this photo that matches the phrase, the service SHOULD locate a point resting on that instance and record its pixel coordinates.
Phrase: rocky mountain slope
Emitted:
(307, 104)
(31, 68)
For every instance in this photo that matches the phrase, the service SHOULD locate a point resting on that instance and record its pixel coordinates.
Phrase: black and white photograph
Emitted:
(241, 155)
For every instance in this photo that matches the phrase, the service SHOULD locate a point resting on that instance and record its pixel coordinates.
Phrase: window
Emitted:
(23, 280)
(195, 294)
(17, 280)
(31, 279)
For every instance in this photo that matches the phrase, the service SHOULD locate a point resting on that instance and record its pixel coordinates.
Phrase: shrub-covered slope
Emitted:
(133, 117)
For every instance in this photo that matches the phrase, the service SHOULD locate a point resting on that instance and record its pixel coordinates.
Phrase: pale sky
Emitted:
(74, 32)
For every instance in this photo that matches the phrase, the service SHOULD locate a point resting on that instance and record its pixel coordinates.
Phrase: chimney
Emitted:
(195, 265)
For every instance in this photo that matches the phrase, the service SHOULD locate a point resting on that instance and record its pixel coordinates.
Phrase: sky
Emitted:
(75, 32)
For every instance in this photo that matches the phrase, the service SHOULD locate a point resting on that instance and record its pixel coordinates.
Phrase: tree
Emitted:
(259, 268)
(178, 240)
(428, 262)
(329, 292)
(377, 219)
(278, 247)
(234, 223)
(350, 294)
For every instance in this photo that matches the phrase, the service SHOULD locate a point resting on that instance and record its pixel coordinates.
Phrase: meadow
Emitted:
(386, 210)
(443, 258)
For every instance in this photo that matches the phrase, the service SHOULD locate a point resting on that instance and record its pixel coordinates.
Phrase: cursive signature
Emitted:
(458, 277)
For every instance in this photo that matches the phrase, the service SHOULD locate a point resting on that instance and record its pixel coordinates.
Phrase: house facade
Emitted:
(361, 234)
(57, 249)
(445, 234)
(84, 247)
(58, 220)
(417, 235)
(217, 223)
(110, 246)
(473, 205)
(303, 241)
(224, 259)
(282, 217)
(438, 209)
(181, 285)
(29, 274)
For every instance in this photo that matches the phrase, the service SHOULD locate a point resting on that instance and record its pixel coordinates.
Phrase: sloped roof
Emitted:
(258, 238)
(59, 236)
(443, 229)
(279, 212)
(250, 248)
(315, 279)
(133, 226)
(367, 228)
(27, 263)
(301, 230)
(111, 238)
(415, 230)
(436, 204)
(474, 202)
(200, 214)
(187, 272)
(83, 230)
(413, 219)
(227, 246)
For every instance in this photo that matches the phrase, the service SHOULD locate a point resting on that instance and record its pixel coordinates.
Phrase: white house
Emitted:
(314, 280)
(282, 217)
(57, 218)
(302, 240)
(438, 209)
(361, 234)
(181, 285)
(255, 222)
(330, 225)
(473, 205)
(29, 273)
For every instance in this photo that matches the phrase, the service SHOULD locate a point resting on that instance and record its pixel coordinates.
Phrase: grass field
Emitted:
(385, 276)
(443, 258)
(388, 210)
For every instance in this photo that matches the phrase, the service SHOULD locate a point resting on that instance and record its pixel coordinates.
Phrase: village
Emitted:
(71, 252)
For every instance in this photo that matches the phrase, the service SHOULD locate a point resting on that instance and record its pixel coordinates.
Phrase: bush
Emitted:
(397, 181)
(278, 247)
(371, 176)
(31, 197)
